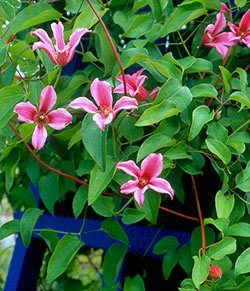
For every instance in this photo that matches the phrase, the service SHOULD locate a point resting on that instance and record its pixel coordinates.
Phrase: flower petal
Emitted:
(162, 186)
(58, 35)
(220, 23)
(151, 166)
(59, 118)
(83, 103)
(39, 137)
(244, 25)
(26, 112)
(125, 103)
(74, 41)
(222, 50)
(141, 94)
(47, 99)
(102, 93)
(42, 34)
(130, 168)
(139, 195)
(99, 120)
(50, 51)
(129, 187)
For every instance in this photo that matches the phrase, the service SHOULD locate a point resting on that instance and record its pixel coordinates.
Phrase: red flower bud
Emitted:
(215, 272)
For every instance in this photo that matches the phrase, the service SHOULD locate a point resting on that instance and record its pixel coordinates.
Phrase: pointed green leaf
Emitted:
(131, 215)
(201, 116)
(219, 149)
(224, 204)
(169, 262)
(63, 254)
(99, 180)
(115, 230)
(242, 265)
(9, 228)
(225, 247)
(200, 270)
(94, 141)
(27, 224)
(79, 200)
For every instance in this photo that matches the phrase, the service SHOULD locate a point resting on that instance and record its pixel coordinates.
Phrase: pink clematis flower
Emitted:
(215, 272)
(145, 178)
(241, 33)
(60, 54)
(104, 112)
(57, 119)
(134, 85)
(213, 37)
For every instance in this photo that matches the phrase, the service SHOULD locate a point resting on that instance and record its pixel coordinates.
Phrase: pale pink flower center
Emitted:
(106, 111)
(142, 182)
(41, 119)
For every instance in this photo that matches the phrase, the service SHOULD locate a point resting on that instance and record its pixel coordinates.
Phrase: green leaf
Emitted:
(243, 79)
(3, 52)
(200, 65)
(99, 180)
(166, 244)
(185, 258)
(238, 229)
(115, 230)
(151, 205)
(200, 270)
(240, 97)
(9, 97)
(242, 265)
(169, 262)
(152, 144)
(9, 228)
(181, 16)
(128, 129)
(131, 215)
(225, 247)
(217, 131)
(79, 200)
(240, 3)
(226, 78)
(87, 18)
(178, 151)
(219, 149)
(224, 204)
(22, 195)
(157, 113)
(94, 141)
(27, 224)
(134, 284)
(201, 116)
(112, 263)
(49, 184)
(220, 223)
(104, 206)
(204, 90)
(51, 238)
(63, 254)
(243, 179)
(31, 16)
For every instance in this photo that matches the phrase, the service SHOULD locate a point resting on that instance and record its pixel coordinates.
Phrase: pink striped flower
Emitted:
(214, 37)
(145, 178)
(60, 54)
(134, 85)
(104, 112)
(57, 119)
(241, 33)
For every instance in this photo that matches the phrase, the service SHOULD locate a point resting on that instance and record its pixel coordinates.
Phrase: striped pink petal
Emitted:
(244, 25)
(151, 166)
(39, 137)
(129, 187)
(74, 41)
(99, 120)
(130, 168)
(47, 99)
(43, 36)
(26, 112)
(83, 103)
(102, 93)
(162, 186)
(59, 118)
(125, 103)
(139, 195)
(58, 32)
(44, 46)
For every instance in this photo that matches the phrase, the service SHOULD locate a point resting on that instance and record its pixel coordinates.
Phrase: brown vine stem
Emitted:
(84, 183)
(203, 234)
(117, 57)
